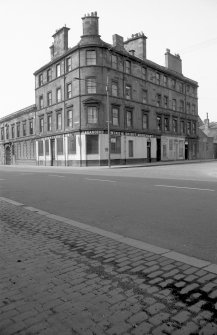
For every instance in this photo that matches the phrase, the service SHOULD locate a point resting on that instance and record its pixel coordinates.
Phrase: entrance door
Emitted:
(8, 155)
(52, 145)
(158, 149)
(186, 151)
(148, 152)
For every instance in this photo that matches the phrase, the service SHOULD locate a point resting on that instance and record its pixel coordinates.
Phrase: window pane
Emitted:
(91, 85)
(92, 116)
(92, 144)
(91, 57)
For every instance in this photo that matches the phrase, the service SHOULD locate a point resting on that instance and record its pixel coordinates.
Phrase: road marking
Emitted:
(110, 181)
(55, 175)
(188, 188)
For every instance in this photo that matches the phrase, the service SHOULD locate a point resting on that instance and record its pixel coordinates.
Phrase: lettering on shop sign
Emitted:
(93, 132)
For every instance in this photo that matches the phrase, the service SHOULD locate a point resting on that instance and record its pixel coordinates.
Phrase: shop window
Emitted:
(40, 148)
(115, 144)
(59, 146)
(130, 146)
(71, 145)
(92, 145)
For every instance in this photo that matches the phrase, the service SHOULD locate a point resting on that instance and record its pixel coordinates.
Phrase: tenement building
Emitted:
(98, 103)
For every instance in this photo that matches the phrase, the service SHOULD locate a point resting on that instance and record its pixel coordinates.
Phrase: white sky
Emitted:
(187, 27)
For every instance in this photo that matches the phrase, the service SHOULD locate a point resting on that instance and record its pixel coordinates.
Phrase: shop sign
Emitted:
(93, 132)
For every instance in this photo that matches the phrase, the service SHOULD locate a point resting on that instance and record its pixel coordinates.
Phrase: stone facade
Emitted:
(152, 109)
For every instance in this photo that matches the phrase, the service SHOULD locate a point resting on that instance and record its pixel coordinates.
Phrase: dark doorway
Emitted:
(148, 151)
(186, 151)
(52, 146)
(8, 155)
(158, 149)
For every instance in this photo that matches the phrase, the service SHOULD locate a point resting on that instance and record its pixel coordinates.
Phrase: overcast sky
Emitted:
(187, 27)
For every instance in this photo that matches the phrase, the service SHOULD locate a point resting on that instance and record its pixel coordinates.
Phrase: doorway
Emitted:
(52, 152)
(158, 149)
(186, 151)
(8, 155)
(149, 152)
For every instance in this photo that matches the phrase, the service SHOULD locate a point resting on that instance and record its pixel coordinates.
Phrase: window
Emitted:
(157, 78)
(165, 101)
(71, 145)
(114, 89)
(129, 119)
(181, 106)
(69, 90)
(181, 87)
(59, 121)
(114, 61)
(41, 124)
(91, 85)
(144, 96)
(115, 144)
(49, 75)
(24, 128)
(58, 70)
(2, 133)
(69, 118)
(165, 80)
(166, 124)
(58, 96)
(188, 89)
(12, 131)
(175, 125)
(68, 64)
(115, 116)
(128, 92)
(46, 147)
(173, 84)
(18, 129)
(49, 99)
(193, 109)
(31, 127)
(59, 146)
(144, 120)
(158, 100)
(188, 107)
(41, 102)
(7, 132)
(127, 66)
(92, 146)
(91, 57)
(159, 125)
(188, 128)
(49, 122)
(174, 104)
(182, 126)
(40, 148)
(144, 72)
(92, 115)
(194, 128)
(130, 147)
(40, 79)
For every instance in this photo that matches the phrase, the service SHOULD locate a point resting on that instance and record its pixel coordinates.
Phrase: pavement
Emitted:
(60, 277)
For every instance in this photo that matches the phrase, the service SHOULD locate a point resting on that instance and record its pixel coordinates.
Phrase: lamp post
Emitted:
(108, 115)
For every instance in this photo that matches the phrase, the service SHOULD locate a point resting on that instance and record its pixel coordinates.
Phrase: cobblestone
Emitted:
(59, 279)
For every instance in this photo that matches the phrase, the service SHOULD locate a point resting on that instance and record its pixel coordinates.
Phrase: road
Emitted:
(170, 206)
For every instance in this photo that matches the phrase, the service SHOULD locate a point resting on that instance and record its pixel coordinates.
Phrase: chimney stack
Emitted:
(173, 62)
(90, 29)
(137, 42)
(60, 44)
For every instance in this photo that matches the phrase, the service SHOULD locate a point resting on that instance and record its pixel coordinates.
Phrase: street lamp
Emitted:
(108, 114)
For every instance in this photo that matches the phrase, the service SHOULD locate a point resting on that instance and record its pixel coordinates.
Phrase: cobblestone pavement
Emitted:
(56, 279)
